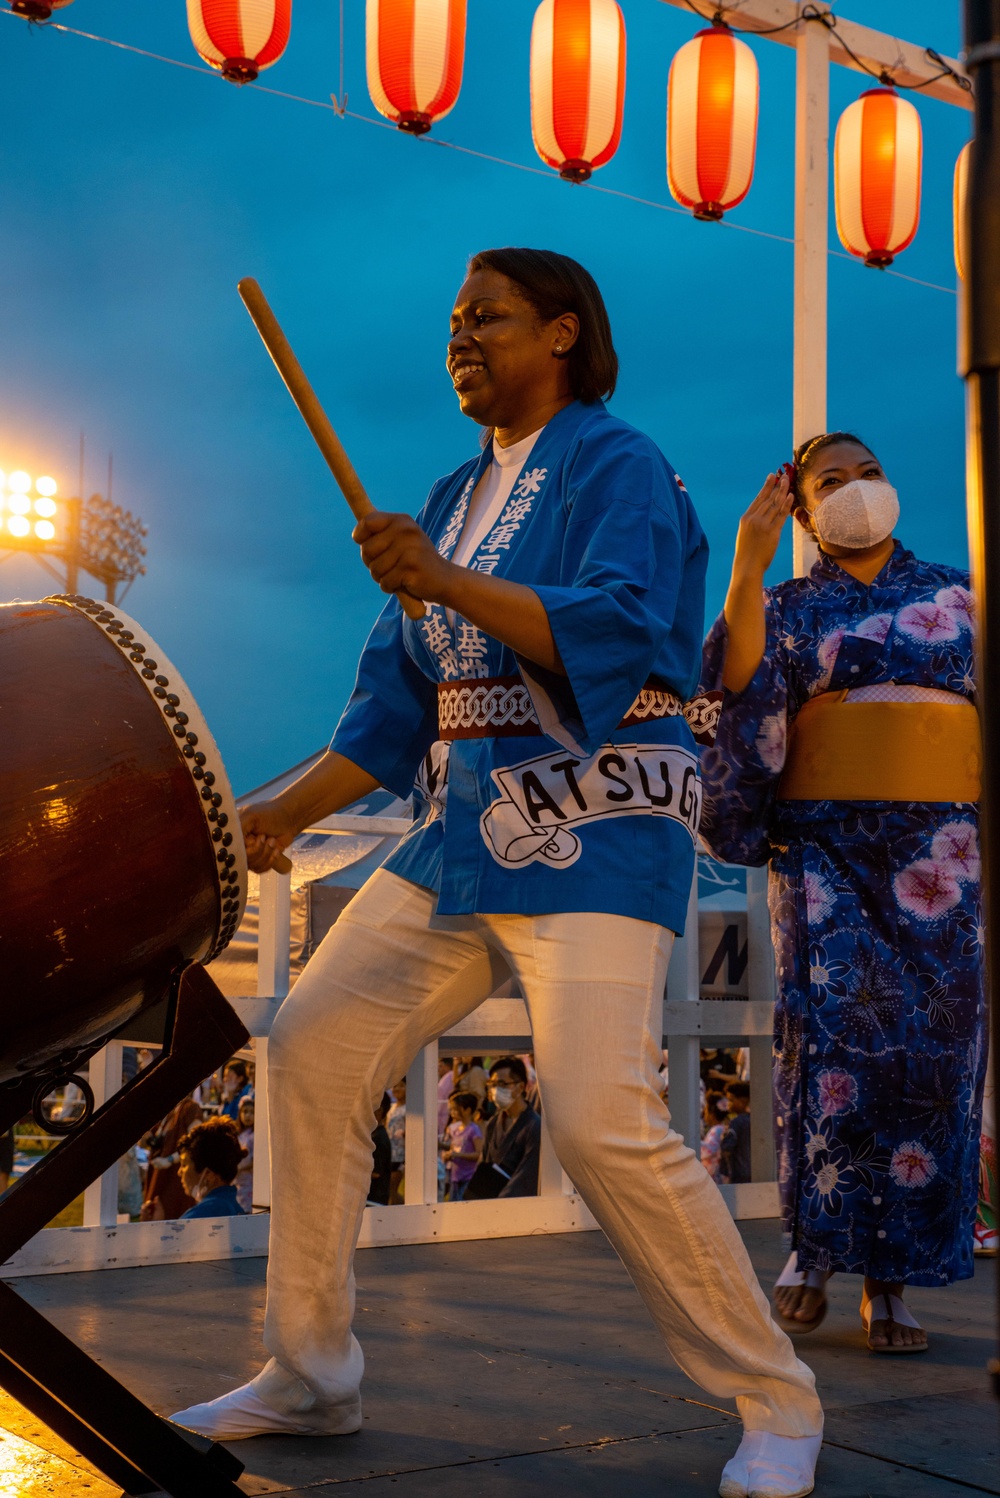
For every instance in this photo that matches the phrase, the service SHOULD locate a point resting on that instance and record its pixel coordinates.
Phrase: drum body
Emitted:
(120, 846)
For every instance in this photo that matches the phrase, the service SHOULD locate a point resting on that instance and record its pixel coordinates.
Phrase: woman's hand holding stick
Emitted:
(756, 545)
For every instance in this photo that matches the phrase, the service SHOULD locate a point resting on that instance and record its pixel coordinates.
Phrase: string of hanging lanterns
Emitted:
(415, 54)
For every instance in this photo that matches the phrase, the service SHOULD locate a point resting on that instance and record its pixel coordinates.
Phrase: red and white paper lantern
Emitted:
(577, 84)
(876, 173)
(712, 100)
(240, 37)
(415, 49)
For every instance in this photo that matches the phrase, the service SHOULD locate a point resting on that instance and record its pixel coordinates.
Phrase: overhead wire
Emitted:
(340, 110)
(812, 12)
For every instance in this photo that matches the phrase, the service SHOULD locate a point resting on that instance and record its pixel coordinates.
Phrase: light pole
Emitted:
(981, 348)
(111, 544)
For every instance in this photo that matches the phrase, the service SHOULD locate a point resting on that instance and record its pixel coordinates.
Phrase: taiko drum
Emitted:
(119, 839)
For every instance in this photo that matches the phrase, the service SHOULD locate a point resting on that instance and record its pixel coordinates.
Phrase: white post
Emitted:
(760, 986)
(812, 132)
(274, 920)
(552, 1179)
(420, 1183)
(684, 1051)
(760, 951)
(100, 1200)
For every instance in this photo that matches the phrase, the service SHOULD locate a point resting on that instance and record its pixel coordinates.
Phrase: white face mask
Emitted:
(503, 1096)
(858, 515)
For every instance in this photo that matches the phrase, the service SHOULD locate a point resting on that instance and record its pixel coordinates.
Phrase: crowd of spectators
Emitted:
(198, 1161)
(489, 1132)
(725, 1123)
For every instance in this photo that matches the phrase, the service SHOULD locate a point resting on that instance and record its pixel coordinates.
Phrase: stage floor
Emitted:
(522, 1366)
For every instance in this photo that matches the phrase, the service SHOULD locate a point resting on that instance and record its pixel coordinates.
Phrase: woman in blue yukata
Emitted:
(848, 759)
(541, 699)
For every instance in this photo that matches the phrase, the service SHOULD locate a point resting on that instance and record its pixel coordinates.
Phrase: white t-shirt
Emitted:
(490, 495)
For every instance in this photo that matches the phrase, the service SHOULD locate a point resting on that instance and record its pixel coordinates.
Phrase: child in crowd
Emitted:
(464, 1143)
(735, 1151)
(716, 1121)
(244, 1175)
(395, 1124)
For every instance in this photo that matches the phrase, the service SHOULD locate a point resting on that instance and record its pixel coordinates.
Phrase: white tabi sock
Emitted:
(769, 1466)
(243, 1413)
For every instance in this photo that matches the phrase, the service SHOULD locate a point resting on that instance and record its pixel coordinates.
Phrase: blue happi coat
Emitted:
(875, 915)
(585, 816)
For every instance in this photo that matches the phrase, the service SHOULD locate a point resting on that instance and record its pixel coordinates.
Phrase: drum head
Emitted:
(118, 830)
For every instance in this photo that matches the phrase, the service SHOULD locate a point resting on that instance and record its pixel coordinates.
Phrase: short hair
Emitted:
(553, 284)
(214, 1145)
(514, 1065)
(738, 1089)
(238, 1066)
(465, 1100)
(807, 452)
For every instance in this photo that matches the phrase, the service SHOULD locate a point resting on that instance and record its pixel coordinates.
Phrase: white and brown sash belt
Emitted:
(500, 707)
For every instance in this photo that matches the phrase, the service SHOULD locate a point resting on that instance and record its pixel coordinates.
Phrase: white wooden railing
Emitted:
(496, 1026)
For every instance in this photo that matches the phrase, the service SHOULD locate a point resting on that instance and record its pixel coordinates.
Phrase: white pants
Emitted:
(389, 978)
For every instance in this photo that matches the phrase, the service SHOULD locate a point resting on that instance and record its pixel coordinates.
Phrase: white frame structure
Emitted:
(502, 1023)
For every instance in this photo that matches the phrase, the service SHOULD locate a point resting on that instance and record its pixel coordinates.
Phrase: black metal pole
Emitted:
(981, 346)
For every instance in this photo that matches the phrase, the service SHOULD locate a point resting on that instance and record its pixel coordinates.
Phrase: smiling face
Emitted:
(505, 363)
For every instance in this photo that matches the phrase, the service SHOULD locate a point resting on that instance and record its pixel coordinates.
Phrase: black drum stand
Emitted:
(46, 1372)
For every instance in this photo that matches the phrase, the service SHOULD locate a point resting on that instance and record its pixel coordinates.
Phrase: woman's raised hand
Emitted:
(760, 528)
(756, 544)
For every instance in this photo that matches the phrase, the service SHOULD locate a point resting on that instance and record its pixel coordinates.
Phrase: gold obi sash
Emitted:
(842, 750)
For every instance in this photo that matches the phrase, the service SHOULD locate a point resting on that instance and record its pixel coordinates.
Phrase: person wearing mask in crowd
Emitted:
(235, 1087)
(715, 1117)
(164, 1196)
(734, 1151)
(512, 1139)
(210, 1157)
(847, 759)
(395, 1124)
(464, 1143)
(564, 565)
(244, 1175)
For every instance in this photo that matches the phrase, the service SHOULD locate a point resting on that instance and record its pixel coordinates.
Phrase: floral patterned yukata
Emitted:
(875, 916)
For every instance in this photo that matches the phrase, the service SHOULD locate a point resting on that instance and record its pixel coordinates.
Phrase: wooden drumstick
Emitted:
(313, 415)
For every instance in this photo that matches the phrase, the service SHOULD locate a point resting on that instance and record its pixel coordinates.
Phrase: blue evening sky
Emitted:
(134, 195)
